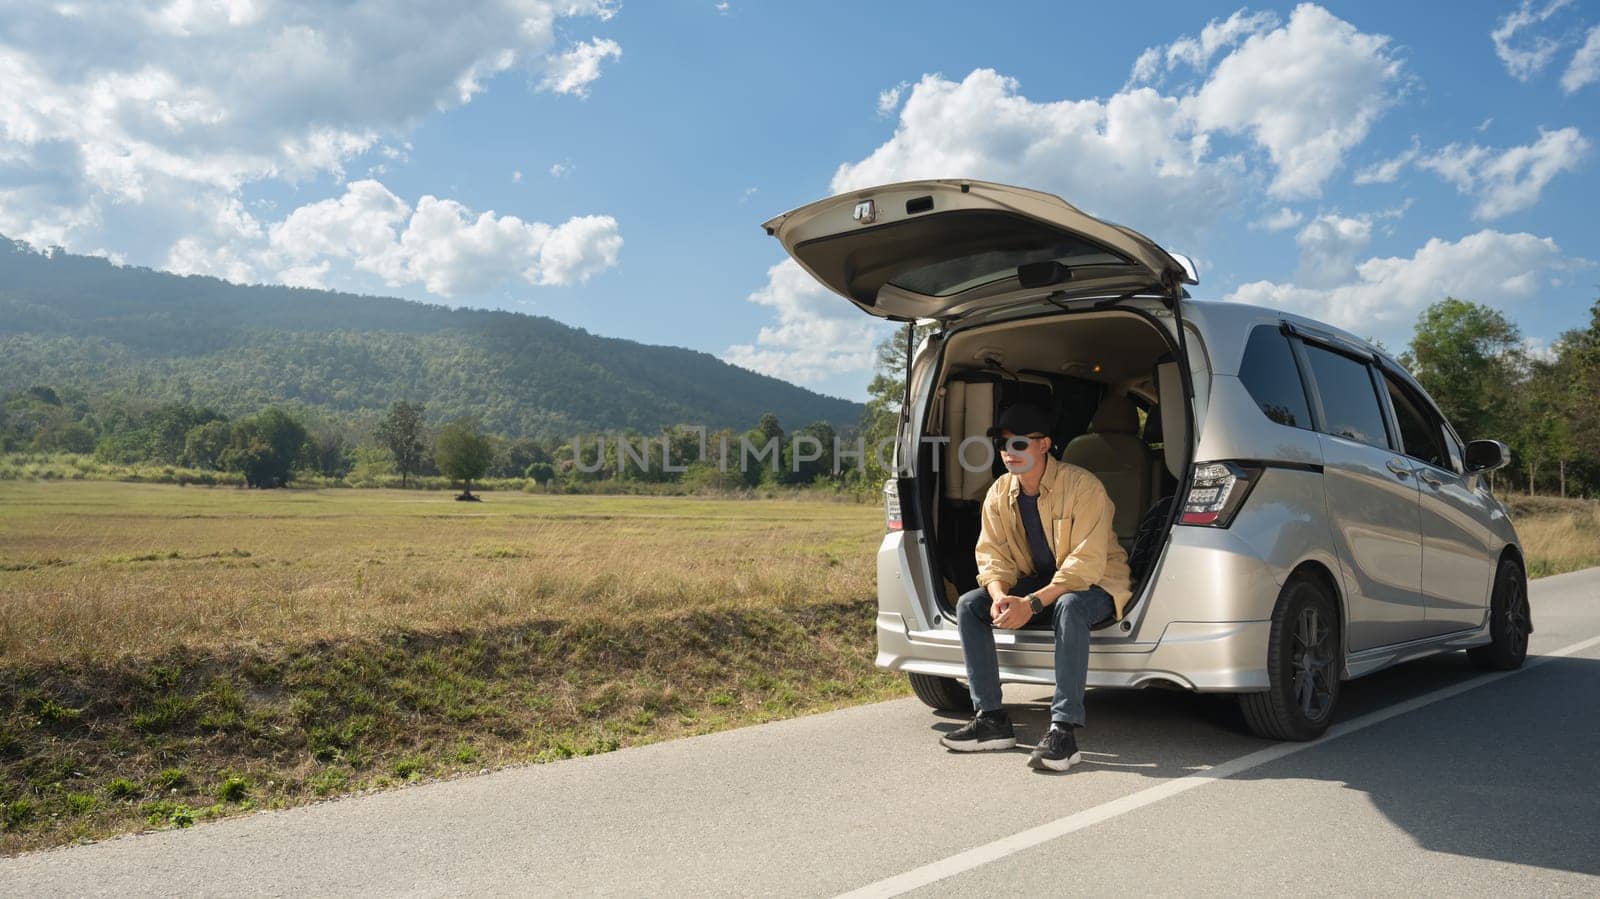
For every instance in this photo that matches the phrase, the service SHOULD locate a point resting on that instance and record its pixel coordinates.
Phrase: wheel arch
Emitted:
(1514, 552)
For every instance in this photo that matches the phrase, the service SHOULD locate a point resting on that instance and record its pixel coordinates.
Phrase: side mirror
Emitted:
(1484, 456)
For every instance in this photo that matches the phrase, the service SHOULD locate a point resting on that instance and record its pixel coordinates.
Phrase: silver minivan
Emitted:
(1296, 510)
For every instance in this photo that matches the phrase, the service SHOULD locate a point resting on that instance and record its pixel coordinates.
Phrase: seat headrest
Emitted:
(1115, 416)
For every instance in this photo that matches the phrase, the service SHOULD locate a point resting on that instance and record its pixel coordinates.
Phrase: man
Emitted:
(1046, 554)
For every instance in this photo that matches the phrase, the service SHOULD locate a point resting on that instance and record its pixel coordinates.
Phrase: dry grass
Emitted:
(169, 654)
(1557, 534)
(95, 570)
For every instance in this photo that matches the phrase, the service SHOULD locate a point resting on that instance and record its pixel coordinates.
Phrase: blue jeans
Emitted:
(1070, 616)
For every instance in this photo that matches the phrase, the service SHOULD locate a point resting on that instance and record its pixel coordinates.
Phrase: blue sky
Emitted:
(608, 164)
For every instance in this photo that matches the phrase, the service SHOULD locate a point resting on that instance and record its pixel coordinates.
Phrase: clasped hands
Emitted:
(1010, 612)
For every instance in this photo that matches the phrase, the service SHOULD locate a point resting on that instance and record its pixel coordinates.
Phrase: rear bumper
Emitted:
(1219, 657)
(1218, 592)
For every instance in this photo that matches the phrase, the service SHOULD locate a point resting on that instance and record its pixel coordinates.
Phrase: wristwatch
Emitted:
(1034, 603)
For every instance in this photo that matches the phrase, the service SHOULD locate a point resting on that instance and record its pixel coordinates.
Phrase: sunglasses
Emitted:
(1016, 444)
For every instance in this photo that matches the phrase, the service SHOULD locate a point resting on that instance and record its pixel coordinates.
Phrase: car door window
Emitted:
(1269, 373)
(1420, 436)
(1349, 401)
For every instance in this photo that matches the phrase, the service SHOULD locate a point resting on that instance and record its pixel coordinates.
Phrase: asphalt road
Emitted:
(1437, 779)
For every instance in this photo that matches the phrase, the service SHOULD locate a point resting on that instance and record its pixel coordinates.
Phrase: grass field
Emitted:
(169, 654)
(173, 653)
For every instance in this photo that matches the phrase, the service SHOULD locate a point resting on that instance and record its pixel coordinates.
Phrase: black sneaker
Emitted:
(1057, 749)
(988, 730)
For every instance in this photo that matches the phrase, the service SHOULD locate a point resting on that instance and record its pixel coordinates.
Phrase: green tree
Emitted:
(886, 394)
(400, 432)
(765, 441)
(331, 453)
(463, 453)
(813, 440)
(265, 448)
(512, 457)
(1577, 439)
(204, 445)
(1470, 359)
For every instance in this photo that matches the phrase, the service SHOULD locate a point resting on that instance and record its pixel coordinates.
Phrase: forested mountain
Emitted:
(79, 321)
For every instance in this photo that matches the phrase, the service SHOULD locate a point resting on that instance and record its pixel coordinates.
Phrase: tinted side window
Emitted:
(1421, 435)
(1348, 399)
(1269, 373)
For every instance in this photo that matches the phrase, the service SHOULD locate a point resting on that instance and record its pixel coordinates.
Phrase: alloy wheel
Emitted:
(1516, 617)
(1312, 658)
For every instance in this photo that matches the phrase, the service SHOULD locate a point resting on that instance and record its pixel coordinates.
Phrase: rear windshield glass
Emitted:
(942, 279)
(944, 253)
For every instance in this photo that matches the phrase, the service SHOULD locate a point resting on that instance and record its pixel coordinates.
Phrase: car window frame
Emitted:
(1430, 416)
(1287, 333)
(1454, 446)
(1298, 339)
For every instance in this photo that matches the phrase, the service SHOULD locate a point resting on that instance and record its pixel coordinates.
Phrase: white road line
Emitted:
(934, 872)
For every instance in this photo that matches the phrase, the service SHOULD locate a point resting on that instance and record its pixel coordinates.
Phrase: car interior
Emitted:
(1112, 387)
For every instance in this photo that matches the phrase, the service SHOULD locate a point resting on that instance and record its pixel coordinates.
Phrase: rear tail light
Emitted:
(1217, 492)
(891, 505)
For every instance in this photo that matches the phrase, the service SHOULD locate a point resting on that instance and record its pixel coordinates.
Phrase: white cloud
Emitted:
(1386, 171)
(440, 244)
(1196, 52)
(361, 227)
(1282, 220)
(889, 99)
(1146, 68)
(1539, 349)
(1306, 92)
(1526, 60)
(516, 176)
(721, 7)
(818, 335)
(144, 119)
(561, 169)
(1383, 296)
(577, 250)
(224, 246)
(572, 72)
(1510, 180)
(1134, 156)
(1585, 66)
(1328, 248)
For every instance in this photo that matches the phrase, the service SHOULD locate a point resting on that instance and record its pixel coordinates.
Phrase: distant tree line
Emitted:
(275, 446)
(1472, 360)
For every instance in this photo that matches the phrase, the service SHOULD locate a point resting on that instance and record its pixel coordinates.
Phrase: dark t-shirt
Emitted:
(1044, 563)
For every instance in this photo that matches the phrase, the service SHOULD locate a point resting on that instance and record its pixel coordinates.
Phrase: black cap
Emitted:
(1022, 418)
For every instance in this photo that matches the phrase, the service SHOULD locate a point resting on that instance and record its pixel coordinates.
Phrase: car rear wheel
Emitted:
(1302, 666)
(1509, 621)
(943, 693)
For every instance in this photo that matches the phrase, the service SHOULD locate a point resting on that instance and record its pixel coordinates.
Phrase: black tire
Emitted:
(1304, 661)
(1510, 621)
(943, 693)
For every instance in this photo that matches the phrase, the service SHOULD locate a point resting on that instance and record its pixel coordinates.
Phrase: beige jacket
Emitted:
(1076, 514)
